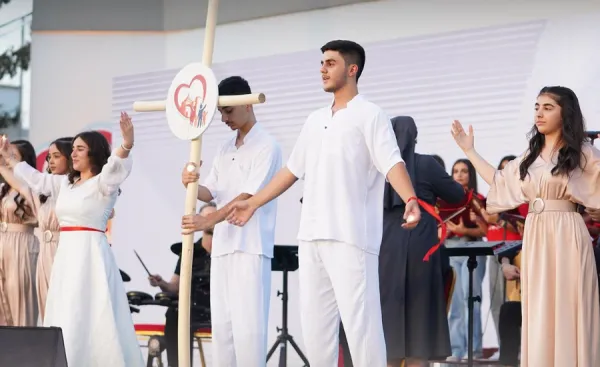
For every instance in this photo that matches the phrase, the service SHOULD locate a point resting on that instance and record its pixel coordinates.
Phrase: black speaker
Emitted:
(32, 347)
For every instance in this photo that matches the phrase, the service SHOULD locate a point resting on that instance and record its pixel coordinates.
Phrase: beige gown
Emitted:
(48, 232)
(561, 312)
(19, 249)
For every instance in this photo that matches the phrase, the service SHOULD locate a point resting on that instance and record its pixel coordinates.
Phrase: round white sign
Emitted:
(192, 101)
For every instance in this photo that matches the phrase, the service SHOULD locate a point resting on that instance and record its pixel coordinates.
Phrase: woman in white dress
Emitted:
(86, 297)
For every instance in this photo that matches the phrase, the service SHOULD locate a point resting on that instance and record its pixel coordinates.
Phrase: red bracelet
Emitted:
(411, 199)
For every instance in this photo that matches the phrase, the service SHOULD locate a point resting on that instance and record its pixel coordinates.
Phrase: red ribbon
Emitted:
(431, 210)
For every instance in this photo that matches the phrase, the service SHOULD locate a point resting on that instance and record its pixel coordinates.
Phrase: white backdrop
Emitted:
(488, 77)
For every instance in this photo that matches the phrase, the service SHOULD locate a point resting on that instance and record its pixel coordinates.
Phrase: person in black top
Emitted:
(200, 273)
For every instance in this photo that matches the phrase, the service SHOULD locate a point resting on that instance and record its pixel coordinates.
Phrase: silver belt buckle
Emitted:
(542, 204)
(3, 226)
(48, 235)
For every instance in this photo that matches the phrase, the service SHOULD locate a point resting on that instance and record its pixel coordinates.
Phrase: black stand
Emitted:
(285, 259)
(471, 250)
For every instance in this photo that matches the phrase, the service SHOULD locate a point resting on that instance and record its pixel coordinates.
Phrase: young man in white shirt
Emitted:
(240, 280)
(344, 153)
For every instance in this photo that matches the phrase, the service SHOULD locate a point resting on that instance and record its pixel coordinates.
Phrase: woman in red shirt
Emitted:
(464, 229)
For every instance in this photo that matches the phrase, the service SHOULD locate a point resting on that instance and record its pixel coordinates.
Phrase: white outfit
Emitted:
(86, 297)
(240, 279)
(343, 159)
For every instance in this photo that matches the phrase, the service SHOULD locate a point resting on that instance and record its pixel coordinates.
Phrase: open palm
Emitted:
(465, 141)
(241, 212)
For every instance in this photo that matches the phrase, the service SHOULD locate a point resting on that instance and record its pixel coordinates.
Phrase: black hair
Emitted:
(27, 153)
(234, 86)
(352, 52)
(65, 148)
(572, 134)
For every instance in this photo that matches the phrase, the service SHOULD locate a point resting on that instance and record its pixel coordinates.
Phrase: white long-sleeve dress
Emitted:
(86, 296)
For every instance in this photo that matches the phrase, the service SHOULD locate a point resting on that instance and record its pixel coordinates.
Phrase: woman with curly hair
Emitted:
(559, 286)
(19, 246)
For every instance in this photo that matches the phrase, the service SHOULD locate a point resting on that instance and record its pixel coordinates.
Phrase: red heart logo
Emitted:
(192, 108)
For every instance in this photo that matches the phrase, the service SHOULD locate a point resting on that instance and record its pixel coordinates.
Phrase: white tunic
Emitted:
(344, 159)
(86, 297)
(246, 169)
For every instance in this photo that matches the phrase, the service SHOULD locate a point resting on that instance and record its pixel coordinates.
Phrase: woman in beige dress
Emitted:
(19, 246)
(561, 312)
(58, 163)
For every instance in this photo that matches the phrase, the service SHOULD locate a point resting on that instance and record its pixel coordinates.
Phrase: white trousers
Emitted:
(340, 280)
(240, 286)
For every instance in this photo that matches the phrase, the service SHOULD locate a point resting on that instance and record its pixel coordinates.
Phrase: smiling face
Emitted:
(335, 72)
(80, 156)
(57, 162)
(548, 115)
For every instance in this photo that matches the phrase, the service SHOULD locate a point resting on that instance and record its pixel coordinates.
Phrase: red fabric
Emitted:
(496, 233)
(523, 209)
(77, 229)
(431, 210)
(446, 210)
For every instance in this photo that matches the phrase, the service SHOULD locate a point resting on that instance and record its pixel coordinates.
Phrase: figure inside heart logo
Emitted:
(189, 101)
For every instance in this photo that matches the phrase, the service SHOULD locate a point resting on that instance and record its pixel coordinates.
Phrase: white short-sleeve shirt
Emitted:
(344, 159)
(236, 171)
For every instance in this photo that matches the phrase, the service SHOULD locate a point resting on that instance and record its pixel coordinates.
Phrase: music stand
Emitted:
(285, 259)
(471, 250)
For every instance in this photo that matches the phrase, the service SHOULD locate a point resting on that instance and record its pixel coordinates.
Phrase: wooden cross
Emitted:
(188, 118)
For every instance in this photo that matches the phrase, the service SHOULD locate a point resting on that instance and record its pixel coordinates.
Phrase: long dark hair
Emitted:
(28, 156)
(572, 134)
(472, 185)
(98, 153)
(65, 148)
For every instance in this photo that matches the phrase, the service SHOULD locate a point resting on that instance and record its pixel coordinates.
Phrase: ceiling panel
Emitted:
(157, 15)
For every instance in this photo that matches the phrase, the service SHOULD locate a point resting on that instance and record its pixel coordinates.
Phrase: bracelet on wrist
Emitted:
(125, 148)
(411, 199)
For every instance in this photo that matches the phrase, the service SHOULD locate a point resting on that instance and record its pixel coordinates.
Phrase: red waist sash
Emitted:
(80, 229)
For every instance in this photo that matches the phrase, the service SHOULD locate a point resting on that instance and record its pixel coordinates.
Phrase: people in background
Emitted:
(59, 163)
(200, 264)
(560, 168)
(19, 247)
(466, 227)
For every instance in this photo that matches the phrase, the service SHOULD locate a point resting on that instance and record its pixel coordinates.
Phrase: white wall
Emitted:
(72, 77)
(71, 71)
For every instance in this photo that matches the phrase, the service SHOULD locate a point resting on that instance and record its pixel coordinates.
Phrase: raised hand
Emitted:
(241, 213)
(4, 144)
(126, 130)
(190, 175)
(465, 141)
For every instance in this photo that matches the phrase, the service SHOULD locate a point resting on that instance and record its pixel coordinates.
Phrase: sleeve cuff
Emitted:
(391, 165)
(293, 170)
